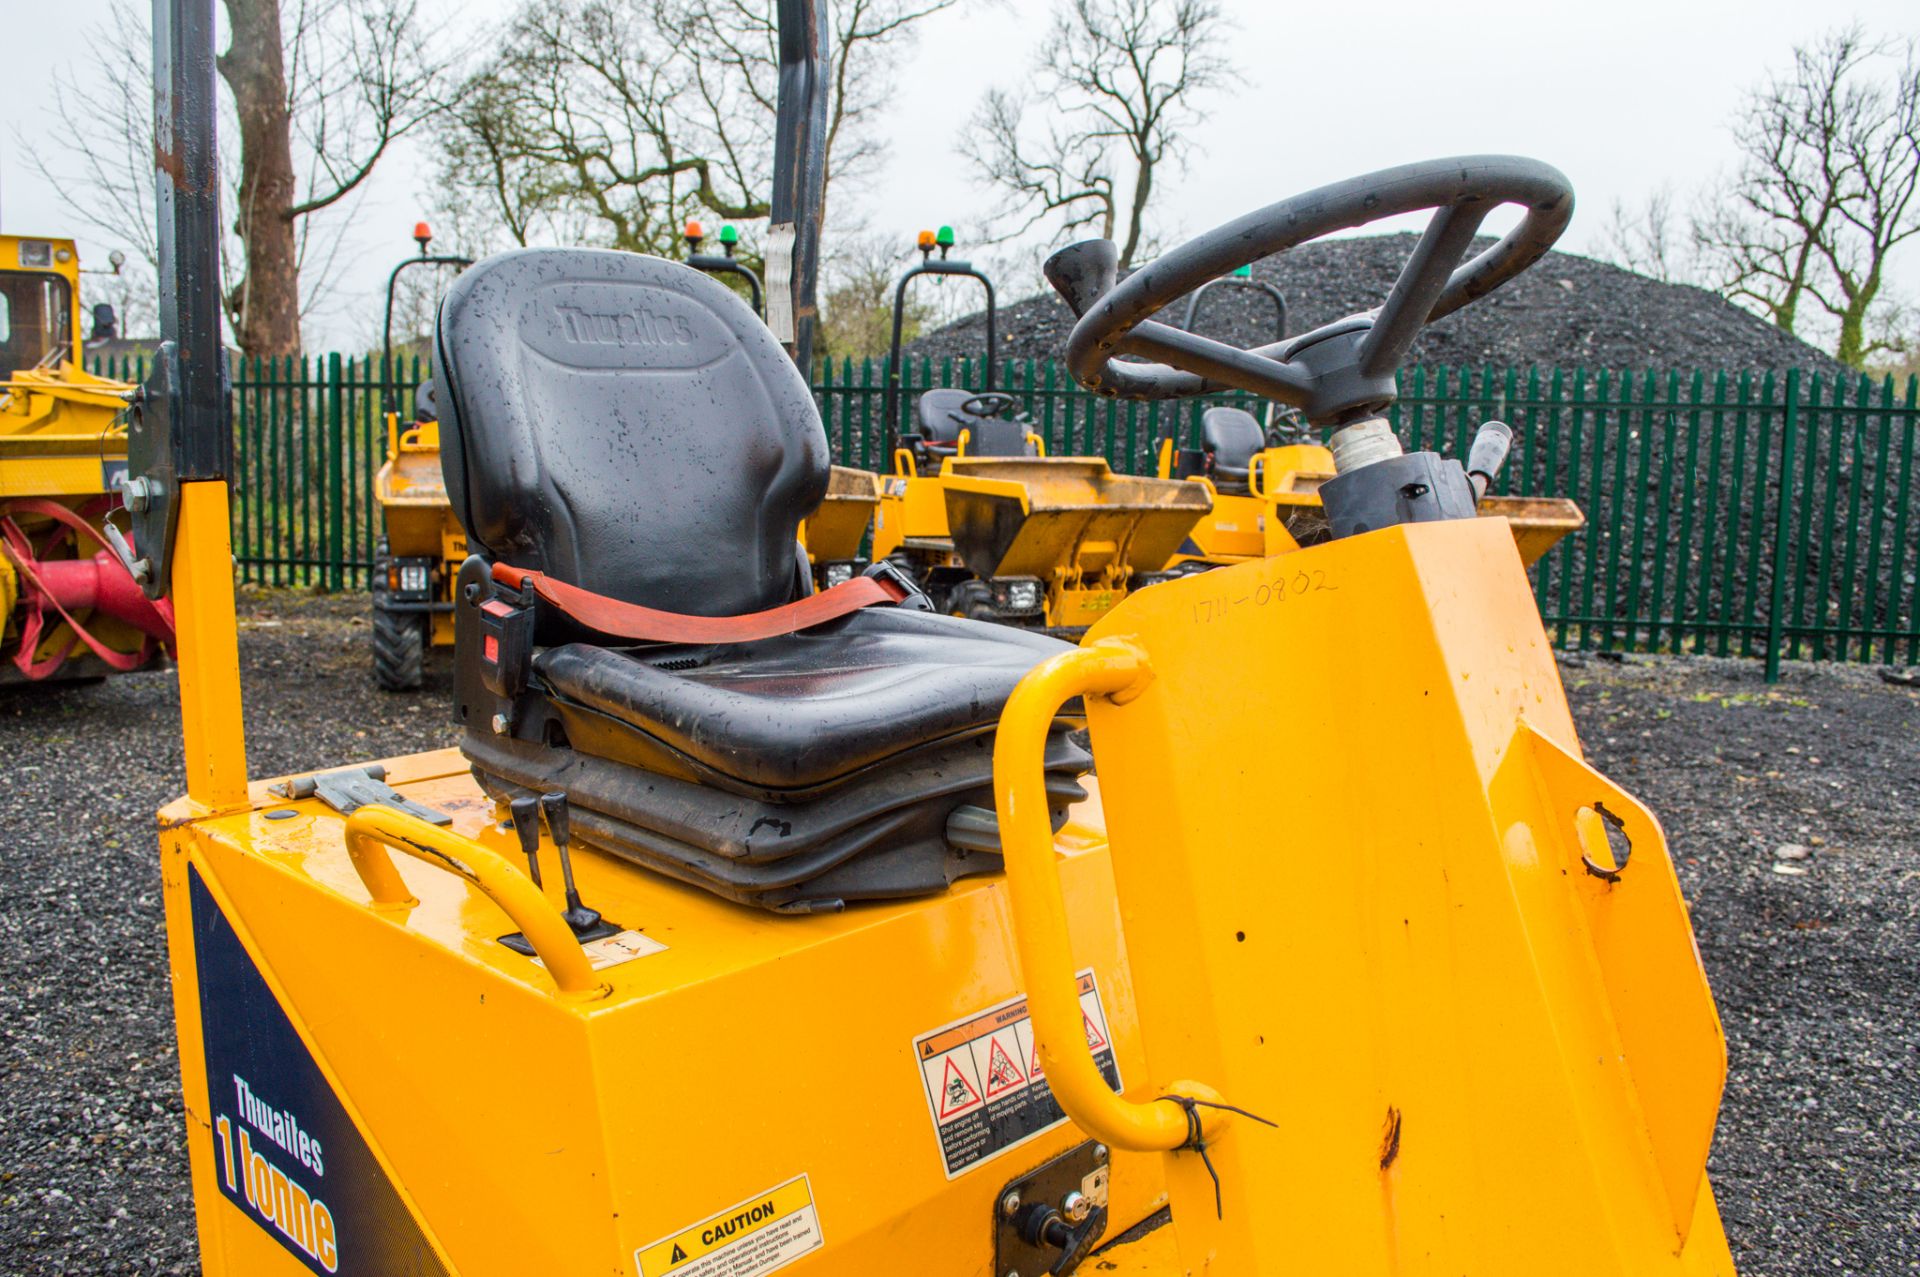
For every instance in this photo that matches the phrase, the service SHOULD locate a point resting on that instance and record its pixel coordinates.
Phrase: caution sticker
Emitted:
(985, 1088)
(767, 1231)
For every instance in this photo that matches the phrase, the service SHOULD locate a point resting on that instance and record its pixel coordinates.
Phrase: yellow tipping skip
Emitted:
(1369, 895)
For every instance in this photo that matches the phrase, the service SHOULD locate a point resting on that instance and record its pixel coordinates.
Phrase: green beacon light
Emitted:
(944, 238)
(729, 238)
(1245, 272)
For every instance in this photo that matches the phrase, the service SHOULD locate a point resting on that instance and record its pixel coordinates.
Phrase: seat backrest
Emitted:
(628, 425)
(1231, 436)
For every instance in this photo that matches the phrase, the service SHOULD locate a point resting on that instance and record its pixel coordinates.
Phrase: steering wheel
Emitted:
(991, 403)
(1340, 371)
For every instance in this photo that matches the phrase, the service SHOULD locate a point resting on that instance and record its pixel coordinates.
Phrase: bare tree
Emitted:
(346, 81)
(1117, 80)
(106, 180)
(857, 306)
(1826, 190)
(1651, 239)
(319, 91)
(613, 121)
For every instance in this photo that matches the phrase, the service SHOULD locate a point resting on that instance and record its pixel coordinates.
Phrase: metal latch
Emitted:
(351, 788)
(1048, 1220)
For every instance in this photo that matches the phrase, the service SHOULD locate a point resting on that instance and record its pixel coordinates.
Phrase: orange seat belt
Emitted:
(650, 625)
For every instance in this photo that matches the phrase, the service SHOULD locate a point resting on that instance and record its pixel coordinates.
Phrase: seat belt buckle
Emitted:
(506, 644)
(912, 597)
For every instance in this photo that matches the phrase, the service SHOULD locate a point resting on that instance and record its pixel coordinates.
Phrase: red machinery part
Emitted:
(100, 585)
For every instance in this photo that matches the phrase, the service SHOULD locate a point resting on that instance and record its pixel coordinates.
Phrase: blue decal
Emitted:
(285, 1151)
(112, 471)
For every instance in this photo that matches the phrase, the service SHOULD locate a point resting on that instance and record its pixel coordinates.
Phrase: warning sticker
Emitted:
(611, 951)
(765, 1232)
(985, 1087)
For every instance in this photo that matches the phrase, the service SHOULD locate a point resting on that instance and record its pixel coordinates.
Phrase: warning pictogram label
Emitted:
(1002, 1073)
(985, 1088)
(957, 1095)
(750, 1238)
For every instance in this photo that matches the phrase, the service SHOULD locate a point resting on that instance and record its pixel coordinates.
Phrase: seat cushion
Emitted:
(795, 712)
(627, 425)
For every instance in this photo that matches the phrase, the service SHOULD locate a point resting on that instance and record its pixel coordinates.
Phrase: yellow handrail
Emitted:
(373, 829)
(1117, 669)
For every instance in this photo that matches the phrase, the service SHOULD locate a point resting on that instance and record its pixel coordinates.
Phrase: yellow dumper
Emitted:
(836, 532)
(991, 527)
(69, 603)
(890, 969)
(1058, 538)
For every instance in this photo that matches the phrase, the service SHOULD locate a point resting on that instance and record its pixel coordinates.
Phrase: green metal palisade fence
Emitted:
(1763, 515)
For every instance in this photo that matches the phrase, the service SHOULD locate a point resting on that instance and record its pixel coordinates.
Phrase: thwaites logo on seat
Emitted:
(286, 1153)
(635, 327)
(985, 1087)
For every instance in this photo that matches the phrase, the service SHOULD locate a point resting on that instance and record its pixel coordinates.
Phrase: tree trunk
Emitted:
(265, 305)
(1142, 189)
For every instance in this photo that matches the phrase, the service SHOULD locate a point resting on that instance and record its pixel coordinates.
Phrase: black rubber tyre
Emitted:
(399, 649)
(973, 600)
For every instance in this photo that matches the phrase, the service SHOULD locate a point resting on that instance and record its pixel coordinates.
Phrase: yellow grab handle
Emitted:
(372, 829)
(1116, 669)
(1256, 474)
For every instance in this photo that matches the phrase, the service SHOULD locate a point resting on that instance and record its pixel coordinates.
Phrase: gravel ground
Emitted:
(1817, 1162)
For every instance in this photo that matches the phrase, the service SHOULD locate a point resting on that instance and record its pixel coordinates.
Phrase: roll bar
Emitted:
(388, 404)
(890, 401)
(1239, 281)
(799, 179)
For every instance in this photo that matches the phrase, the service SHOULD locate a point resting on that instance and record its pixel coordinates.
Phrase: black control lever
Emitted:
(1488, 454)
(526, 824)
(1042, 1225)
(582, 919)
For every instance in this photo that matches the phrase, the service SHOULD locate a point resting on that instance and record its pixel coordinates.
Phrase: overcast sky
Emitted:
(1623, 97)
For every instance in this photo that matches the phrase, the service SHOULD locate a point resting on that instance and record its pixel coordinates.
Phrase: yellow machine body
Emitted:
(835, 532)
(63, 440)
(1482, 1053)
(1282, 508)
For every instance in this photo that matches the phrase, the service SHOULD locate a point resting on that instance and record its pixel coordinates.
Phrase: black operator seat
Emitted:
(1230, 437)
(628, 426)
(941, 417)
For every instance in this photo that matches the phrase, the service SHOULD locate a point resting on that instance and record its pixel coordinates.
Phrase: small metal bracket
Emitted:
(351, 788)
(1049, 1219)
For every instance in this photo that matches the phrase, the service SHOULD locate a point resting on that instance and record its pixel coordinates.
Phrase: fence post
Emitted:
(336, 554)
(1776, 624)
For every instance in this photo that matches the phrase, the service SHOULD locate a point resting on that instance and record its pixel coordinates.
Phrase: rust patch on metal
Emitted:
(1390, 1138)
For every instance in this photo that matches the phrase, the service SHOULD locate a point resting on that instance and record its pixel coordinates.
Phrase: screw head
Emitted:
(1099, 1152)
(1009, 1206)
(500, 725)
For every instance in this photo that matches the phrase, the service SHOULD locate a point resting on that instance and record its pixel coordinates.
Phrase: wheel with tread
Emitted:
(399, 650)
(973, 600)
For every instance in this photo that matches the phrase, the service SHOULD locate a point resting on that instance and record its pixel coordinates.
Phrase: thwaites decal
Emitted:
(285, 1151)
(985, 1087)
